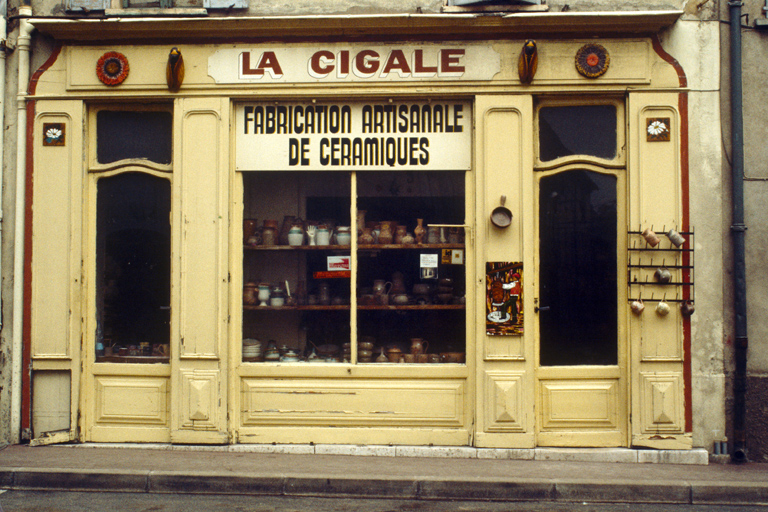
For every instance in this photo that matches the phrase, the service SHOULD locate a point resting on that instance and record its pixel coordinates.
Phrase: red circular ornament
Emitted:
(112, 68)
(592, 60)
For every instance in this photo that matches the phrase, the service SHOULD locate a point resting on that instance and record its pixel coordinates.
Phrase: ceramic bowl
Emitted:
(400, 298)
(365, 345)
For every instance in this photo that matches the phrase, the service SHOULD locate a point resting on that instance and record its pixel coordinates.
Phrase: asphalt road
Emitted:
(61, 501)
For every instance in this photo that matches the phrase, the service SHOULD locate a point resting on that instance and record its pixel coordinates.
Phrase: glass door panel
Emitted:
(578, 269)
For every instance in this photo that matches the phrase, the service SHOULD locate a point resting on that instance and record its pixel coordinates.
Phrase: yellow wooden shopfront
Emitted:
(164, 309)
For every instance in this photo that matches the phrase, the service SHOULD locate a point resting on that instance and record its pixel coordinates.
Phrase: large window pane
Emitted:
(123, 134)
(578, 269)
(133, 244)
(577, 130)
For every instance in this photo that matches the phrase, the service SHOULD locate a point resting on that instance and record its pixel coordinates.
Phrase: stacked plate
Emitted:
(251, 349)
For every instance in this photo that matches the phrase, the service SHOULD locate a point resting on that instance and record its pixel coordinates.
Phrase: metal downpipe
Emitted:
(738, 228)
(23, 49)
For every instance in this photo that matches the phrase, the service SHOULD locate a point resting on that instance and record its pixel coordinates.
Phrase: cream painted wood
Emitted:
(200, 305)
(587, 406)
(119, 402)
(504, 410)
(56, 298)
(656, 199)
(375, 403)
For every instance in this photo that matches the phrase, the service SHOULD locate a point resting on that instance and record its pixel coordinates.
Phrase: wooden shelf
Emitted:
(346, 307)
(363, 247)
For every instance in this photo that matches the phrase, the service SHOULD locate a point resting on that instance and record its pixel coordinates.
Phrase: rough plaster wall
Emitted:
(9, 177)
(755, 112)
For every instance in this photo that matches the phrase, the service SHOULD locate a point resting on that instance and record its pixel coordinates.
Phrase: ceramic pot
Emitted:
(651, 237)
(288, 222)
(367, 237)
(269, 234)
(433, 235)
(675, 238)
(637, 306)
(687, 308)
(323, 235)
(249, 228)
(343, 235)
(249, 293)
(263, 295)
(387, 235)
(419, 346)
(663, 275)
(419, 232)
(662, 308)
(400, 233)
(296, 235)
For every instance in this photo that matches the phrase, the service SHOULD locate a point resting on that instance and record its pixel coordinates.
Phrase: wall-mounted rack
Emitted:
(643, 260)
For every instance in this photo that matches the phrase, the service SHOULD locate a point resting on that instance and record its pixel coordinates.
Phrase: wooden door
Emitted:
(580, 360)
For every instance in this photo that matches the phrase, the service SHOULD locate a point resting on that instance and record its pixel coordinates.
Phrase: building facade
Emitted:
(463, 225)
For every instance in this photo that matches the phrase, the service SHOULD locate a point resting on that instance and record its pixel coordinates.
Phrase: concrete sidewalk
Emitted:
(448, 474)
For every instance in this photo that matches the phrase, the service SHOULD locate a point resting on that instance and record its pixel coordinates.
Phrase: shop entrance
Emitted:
(580, 370)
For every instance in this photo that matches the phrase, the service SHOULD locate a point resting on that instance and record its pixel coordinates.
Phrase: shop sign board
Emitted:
(415, 136)
(338, 63)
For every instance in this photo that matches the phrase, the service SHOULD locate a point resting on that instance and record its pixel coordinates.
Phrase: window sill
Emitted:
(152, 12)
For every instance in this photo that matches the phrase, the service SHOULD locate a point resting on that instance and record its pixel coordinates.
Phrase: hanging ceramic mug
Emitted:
(637, 306)
(662, 308)
(687, 308)
(651, 237)
(675, 238)
(663, 275)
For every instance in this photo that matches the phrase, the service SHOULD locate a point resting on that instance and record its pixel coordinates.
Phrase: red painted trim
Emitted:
(26, 375)
(685, 224)
(685, 189)
(46, 65)
(671, 60)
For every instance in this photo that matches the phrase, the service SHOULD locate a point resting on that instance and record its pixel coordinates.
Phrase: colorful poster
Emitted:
(504, 298)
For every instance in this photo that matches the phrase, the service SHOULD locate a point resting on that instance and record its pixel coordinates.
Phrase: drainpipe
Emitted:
(3, 48)
(23, 49)
(738, 228)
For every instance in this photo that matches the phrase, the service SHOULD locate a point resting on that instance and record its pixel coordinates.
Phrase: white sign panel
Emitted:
(434, 135)
(358, 63)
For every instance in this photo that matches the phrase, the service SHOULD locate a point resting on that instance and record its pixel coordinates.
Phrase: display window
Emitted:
(379, 279)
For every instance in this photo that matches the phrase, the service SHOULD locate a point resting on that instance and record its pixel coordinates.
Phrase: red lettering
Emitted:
(418, 65)
(269, 62)
(343, 69)
(366, 63)
(396, 61)
(449, 62)
(316, 67)
(246, 65)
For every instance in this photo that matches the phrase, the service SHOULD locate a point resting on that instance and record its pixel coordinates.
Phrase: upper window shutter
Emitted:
(87, 5)
(225, 4)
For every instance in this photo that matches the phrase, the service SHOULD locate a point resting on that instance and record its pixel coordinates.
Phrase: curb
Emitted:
(616, 491)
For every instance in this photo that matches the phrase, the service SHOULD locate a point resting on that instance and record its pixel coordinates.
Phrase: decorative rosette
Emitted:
(112, 68)
(592, 60)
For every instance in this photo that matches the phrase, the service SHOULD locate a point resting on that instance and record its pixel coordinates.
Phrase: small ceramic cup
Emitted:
(651, 237)
(675, 238)
(662, 308)
(637, 306)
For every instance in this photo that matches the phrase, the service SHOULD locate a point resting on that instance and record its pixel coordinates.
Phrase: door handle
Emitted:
(542, 308)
